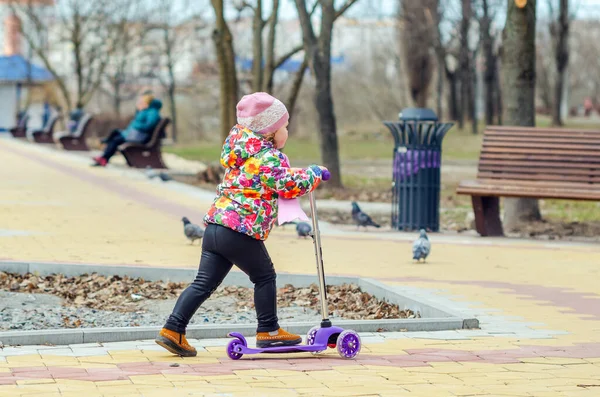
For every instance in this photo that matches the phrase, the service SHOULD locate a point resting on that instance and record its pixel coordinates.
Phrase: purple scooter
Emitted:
(318, 338)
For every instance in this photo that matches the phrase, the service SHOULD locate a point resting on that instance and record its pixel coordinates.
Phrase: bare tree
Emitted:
(518, 68)
(464, 61)
(318, 54)
(434, 17)
(171, 35)
(417, 42)
(543, 72)
(559, 30)
(82, 25)
(228, 81)
(486, 17)
(130, 33)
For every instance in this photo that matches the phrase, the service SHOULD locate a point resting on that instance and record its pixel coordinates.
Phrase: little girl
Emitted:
(240, 219)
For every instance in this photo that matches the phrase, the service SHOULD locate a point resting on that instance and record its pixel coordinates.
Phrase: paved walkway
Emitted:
(538, 302)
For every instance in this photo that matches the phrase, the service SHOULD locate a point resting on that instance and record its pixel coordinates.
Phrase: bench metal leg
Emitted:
(75, 144)
(18, 132)
(487, 215)
(40, 137)
(141, 158)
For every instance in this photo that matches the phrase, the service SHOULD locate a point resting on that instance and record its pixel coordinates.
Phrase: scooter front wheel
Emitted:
(348, 344)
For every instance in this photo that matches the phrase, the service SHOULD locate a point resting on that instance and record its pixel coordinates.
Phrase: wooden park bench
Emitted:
(527, 162)
(45, 135)
(141, 155)
(20, 130)
(77, 139)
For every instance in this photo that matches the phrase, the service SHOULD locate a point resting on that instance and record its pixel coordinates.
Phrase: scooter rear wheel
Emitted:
(232, 347)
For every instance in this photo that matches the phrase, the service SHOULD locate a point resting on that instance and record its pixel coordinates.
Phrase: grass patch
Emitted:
(459, 144)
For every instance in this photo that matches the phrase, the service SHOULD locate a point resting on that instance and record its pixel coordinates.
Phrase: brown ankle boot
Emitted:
(175, 343)
(277, 338)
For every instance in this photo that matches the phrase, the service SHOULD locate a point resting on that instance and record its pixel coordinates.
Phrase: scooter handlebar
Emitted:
(325, 175)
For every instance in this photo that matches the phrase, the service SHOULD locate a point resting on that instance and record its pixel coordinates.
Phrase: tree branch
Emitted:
(343, 8)
(288, 55)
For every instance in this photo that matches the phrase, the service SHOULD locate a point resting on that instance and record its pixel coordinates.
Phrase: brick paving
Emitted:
(538, 302)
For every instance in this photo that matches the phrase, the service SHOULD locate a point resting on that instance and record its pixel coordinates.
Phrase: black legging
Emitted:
(112, 144)
(221, 248)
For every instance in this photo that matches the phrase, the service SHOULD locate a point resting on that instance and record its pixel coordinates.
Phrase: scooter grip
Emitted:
(325, 175)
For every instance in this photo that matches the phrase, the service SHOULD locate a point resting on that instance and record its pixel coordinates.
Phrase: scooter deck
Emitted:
(283, 349)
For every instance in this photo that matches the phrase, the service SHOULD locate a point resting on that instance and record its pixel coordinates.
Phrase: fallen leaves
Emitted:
(124, 294)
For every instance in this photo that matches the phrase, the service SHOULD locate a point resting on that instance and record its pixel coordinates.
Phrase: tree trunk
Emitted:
(227, 74)
(440, 55)
(498, 90)
(518, 68)
(117, 98)
(269, 68)
(318, 53)
(321, 62)
(452, 95)
(173, 105)
(296, 85)
(440, 87)
(489, 74)
(473, 95)
(464, 64)
(416, 41)
(257, 47)
(327, 122)
(561, 33)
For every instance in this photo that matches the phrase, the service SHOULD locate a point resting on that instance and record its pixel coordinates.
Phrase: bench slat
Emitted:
(539, 157)
(511, 150)
(539, 147)
(538, 130)
(514, 188)
(544, 139)
(542, 177)
(537, 169)
(540, 184)
(535, 163)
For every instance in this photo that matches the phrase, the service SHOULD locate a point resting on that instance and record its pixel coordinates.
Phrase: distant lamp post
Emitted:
(521, 3)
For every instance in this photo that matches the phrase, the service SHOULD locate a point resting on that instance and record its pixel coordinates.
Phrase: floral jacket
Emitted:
(256, 175)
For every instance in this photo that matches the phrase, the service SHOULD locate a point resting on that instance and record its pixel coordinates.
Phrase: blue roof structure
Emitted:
(17, 69)
(290, 65)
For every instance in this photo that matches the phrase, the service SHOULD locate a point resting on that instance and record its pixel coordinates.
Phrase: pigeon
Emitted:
(421, 246)
(303, 229)
(165, 177)
(150, 173)
(192, 232)
(361, 218)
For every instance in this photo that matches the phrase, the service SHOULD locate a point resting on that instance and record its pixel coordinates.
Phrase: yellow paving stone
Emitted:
(112, 383)
(554, 360)
(23, 382)
(158, 242)
(189, 382)
(212, 378)
(158, 379)
(87, 365)
(24, 359)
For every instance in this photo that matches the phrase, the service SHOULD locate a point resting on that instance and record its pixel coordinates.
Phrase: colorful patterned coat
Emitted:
(256, 175)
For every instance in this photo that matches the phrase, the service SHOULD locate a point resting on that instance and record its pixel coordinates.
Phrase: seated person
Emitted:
(139, 130)
(74, 118)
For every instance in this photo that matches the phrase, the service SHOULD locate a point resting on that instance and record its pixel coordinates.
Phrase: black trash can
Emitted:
(416, 169)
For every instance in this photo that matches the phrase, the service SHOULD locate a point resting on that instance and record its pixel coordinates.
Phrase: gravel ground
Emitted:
(29, 302)
(25, 311)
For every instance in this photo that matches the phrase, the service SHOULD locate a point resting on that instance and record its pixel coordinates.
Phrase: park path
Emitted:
(538, 302)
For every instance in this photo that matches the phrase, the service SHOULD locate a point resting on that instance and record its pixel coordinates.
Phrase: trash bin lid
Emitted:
(417, 114)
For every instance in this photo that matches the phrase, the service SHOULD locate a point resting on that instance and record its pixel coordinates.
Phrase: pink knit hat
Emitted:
(261, 113)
